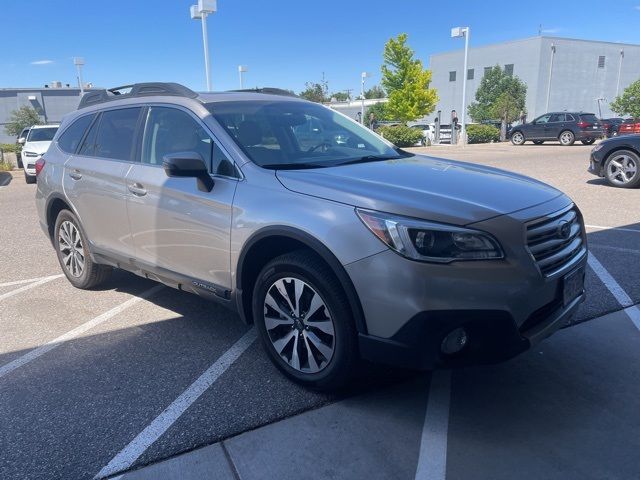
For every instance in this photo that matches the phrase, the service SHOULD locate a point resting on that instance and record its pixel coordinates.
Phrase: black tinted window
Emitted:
(89, 144)
(41, 134)
(116, 133)
(71, 137)
(589, 117)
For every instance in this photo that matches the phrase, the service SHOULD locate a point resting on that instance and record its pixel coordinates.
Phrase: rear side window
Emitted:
(71, 137)
(116, 133)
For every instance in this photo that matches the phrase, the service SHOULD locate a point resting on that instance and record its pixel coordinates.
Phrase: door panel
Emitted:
(95, 185)
(176, 226)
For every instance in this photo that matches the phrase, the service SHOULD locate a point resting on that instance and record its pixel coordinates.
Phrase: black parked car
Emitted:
(611, 126)
(565, 127)
(618, 160)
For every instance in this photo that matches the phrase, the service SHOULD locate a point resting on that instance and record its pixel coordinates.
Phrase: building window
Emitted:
(508, 69)
(470, 74)
(601, 61)
(452, 76)
(487, 70)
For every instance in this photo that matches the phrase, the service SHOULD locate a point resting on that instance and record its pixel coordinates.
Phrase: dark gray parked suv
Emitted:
(565, 127)
(333, 242)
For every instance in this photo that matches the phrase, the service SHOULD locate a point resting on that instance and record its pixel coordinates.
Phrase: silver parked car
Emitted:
(337, 247)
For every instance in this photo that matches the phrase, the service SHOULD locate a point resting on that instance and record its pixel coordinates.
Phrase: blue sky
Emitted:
(284, 43)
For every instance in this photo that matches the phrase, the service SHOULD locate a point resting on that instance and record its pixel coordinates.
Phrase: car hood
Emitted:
(36, 147)
(423, 187)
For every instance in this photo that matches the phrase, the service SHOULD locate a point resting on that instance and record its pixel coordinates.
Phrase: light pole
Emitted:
(619, 71)
(200, 12)
(553, 54)
(242, 69)
(79, 62)
(456, 33)
(363, 75)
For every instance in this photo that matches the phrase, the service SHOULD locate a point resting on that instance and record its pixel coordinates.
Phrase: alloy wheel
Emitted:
(71, 248)
(518, 138)
(566, 138)
(621, 169)
(299, 325)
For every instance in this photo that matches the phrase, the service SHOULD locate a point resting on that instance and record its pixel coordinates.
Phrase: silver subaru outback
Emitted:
(337, 245)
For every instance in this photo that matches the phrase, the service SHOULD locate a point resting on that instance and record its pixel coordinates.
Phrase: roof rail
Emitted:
(268, 90)
(135, 90)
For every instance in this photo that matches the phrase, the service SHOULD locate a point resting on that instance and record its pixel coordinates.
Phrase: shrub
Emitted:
(10, 147)
(401, 135)
(482, 133)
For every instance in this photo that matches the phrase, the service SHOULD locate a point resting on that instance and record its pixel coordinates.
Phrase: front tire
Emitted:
(622, 169)
(304, 321)
(517, 138)
(567, 138)
(72, 249)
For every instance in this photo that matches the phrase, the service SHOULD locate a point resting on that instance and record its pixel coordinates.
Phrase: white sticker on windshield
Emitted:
(361, 145)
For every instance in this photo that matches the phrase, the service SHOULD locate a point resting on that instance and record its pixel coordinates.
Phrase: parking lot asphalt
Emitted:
(85, 375)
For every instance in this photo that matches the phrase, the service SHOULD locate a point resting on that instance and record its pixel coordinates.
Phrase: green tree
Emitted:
(20, 119)
(629, 102)
(406, 82)
(500, 96)
(340, 96)
(316, 92)
(375, 92)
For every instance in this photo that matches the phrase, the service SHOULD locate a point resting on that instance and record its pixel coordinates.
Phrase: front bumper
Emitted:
(596, 166)
(506, 306)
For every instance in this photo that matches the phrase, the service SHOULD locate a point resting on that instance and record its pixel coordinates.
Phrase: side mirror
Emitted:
(190, 165)
(22, 140)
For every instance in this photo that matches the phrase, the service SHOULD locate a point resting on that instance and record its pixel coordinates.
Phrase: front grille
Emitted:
(555, 240)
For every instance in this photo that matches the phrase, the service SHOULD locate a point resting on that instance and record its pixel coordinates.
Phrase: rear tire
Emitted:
(622, 169)
(538, 142)
(588, 141)
(71, 246)
(517, 138)
(319, 351)
(567, 138)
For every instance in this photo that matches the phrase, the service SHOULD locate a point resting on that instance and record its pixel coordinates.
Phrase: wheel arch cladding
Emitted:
(271, 242)
(55, 206)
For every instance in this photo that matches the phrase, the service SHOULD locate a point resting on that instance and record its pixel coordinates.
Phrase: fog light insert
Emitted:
(454, 342)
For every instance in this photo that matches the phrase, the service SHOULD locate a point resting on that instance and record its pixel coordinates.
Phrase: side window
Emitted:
(557, 117)
(88, 146)
(569, 117)
(72, 136)
(169, 130)
(544, 118)
(116, 133)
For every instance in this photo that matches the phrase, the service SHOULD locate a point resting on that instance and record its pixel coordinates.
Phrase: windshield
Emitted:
(42, 134)
(290, 134)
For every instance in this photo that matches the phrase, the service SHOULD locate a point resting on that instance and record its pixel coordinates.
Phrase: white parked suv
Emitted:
(36, 144)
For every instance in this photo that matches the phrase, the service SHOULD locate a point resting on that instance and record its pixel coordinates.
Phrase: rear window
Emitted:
(42, 134)
(589, 117)
(71, 137)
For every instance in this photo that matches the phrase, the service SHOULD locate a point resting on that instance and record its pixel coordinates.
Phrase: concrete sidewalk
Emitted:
(565, 410)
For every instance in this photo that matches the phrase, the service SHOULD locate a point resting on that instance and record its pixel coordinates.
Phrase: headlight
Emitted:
(597, 147)
(429, 241)
(29, 154)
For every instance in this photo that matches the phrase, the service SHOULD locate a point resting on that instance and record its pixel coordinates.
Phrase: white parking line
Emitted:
(162, 422)
(597, 227)
(616, 290)
(432, 459)
(614, 249)
(37, 283)
(27, 280)
(47, 347)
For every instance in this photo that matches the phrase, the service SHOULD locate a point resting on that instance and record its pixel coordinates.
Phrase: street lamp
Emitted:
(200, 12)
(553, 55)
(242, 69)
(458, 32)
(362, 77)
(79, 62)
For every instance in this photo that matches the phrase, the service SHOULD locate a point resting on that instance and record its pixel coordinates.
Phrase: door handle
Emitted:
(138, 189)
(75, 174)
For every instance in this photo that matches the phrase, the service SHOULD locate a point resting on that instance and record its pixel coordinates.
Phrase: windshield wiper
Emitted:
(370, 158)
(292, 166)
